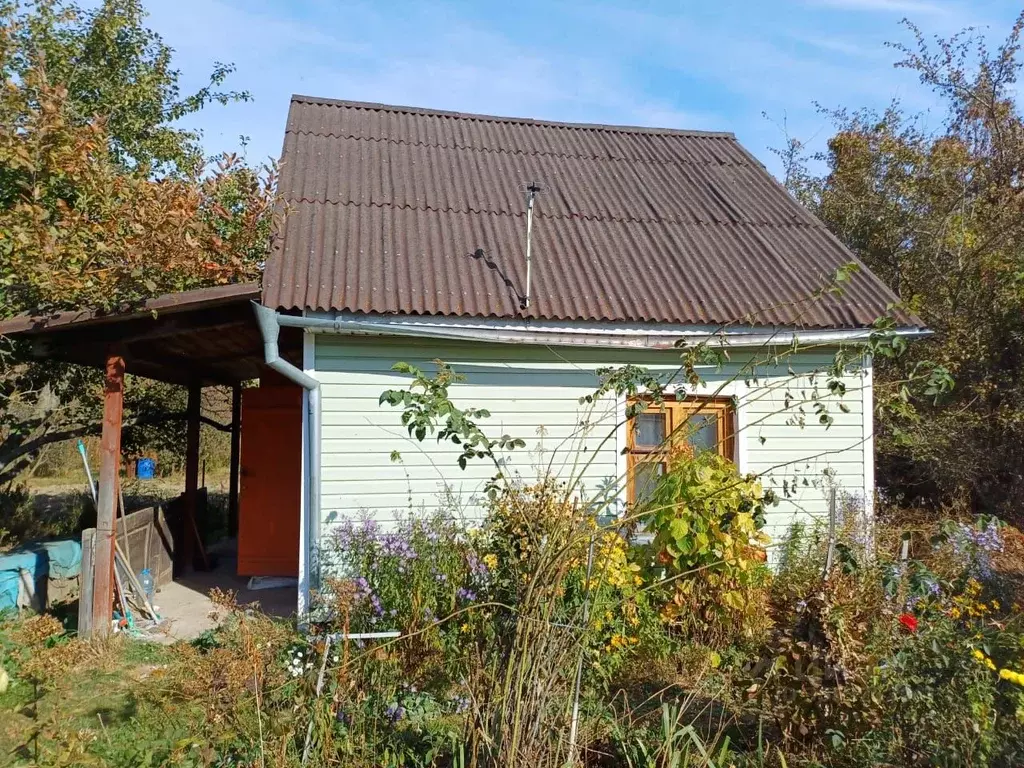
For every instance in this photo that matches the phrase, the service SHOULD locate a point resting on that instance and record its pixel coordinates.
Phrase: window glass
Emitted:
(702, 432)
(645, 478)
(649, 430)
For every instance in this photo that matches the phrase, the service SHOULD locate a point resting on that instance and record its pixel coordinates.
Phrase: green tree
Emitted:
(938, 215)
(104, 202)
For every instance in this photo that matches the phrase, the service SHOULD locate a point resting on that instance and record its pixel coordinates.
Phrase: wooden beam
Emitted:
(148, 328)
(106, 505)
(197, 369)
(236, 449)
(187, 542)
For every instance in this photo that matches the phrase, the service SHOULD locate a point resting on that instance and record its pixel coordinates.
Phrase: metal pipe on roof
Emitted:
(531, 193)
(270, 330)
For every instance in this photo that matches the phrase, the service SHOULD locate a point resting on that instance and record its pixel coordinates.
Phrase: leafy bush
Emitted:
(707, 521)
(944, 707)
(882, 660)
(21, 520)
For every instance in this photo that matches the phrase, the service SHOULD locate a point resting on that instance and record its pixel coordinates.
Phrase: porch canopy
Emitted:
(203, 337)
(206, 336)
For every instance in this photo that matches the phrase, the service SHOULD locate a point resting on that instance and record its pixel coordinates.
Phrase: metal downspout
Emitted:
(270, 330)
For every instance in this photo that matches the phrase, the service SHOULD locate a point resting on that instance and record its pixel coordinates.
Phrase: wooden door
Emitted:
(271, 481)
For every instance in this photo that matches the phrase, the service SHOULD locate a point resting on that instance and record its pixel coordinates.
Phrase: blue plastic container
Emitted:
(145, 469)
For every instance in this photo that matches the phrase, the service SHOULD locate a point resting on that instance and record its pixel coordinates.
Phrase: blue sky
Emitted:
(708, 65)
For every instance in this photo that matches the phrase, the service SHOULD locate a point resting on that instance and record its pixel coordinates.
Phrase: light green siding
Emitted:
(533, 393)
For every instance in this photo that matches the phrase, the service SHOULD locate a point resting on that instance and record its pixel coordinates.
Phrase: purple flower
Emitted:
(973, 547)
(394, 712)
(343, 533)
(465, 594)
(397, 545)
(476, 566)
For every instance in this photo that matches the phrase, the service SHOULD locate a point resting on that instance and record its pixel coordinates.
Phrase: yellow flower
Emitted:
(983, 659)
(464, 629)
(491, 560)
(1013, 677)
(954, 613)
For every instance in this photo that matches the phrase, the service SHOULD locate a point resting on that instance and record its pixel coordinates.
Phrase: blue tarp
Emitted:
(59, 559)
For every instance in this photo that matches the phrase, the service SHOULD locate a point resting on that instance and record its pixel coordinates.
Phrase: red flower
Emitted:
(908, 621)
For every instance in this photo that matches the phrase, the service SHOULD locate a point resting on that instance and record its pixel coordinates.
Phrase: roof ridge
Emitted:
(503, 151)
(559, 216)
(299, 98)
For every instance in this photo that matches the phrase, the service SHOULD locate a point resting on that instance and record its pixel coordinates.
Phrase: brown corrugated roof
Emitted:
(411, 211)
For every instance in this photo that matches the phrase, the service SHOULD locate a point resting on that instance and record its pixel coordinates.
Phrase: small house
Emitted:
(530, 256)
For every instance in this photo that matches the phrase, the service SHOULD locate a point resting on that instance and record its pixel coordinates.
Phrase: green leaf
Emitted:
(679, 528)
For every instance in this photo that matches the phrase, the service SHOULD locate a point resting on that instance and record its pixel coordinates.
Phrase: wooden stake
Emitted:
(124, 523)
(85, 590)
(191, 475)
(110, 459)
(236, 452)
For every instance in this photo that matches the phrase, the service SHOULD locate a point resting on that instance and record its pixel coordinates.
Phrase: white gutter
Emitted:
(526, 332)
(270, 330)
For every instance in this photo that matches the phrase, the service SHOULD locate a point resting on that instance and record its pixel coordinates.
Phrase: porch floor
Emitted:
(185, 603)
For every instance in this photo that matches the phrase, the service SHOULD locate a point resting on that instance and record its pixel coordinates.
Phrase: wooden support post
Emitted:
(236, 446)
(188, 542)
(106, 505)
(85, 591)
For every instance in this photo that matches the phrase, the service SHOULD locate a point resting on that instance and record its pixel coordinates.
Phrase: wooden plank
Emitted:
(236, 446)
(191, 475)
(85, 584)
(147, 548)
(110, 460)
(163, 548)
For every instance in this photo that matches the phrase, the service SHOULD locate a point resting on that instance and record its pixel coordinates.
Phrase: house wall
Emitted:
(533, 393)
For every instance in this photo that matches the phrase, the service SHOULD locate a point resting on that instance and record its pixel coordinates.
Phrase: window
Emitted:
(706, 424)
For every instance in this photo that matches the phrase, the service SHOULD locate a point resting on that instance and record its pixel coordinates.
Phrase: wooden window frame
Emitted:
(677, 412)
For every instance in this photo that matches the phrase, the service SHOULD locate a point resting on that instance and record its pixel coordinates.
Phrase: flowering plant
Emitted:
(908, 621)
(404, 576)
